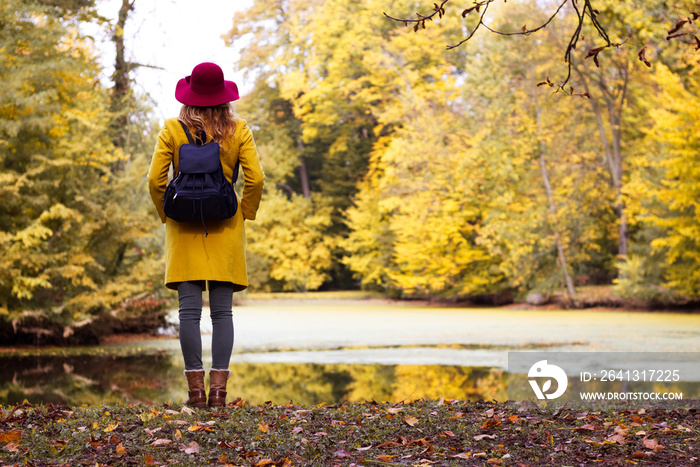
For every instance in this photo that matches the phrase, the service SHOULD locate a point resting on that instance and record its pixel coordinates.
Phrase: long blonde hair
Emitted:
(218, 122)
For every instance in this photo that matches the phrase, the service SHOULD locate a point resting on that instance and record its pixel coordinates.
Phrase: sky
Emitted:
(174, 36)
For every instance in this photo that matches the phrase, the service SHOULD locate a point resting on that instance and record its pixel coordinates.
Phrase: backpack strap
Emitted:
(187, 132)
(191, 140)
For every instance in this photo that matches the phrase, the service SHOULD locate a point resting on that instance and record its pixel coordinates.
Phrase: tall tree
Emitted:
(451, 173)
(121, 89)
(664, 193)
(74, 244)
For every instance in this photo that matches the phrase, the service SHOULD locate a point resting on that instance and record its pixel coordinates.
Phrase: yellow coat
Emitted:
(189, 255)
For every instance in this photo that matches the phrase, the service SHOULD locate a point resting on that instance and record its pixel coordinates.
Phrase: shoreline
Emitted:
(323, 299)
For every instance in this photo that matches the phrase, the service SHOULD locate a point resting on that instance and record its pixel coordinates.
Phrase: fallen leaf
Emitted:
(384, 458)
(410, 420)
(449, 433)
(652, 444)
(297, 430)
(480, 454)
(489, 413)
(388, 444)
(120, 449)
(463, 455)
(198, 427)
(265, 462)
(14, 447)
(192, 448)
(639, 455)
(514, 419)
(491, 422)
(9, 436)
(161, 442)
(187, 410)
(111, 427)
(617, 439)
(264, 427)
(494, 461)
(480, 437)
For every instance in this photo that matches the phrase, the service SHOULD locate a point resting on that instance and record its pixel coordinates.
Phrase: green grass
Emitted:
(417, 433)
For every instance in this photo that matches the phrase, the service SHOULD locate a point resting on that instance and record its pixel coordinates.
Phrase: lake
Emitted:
(314, 351)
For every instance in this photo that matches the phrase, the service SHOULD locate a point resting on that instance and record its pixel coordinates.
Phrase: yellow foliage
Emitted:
(671, 200)
(290, 234)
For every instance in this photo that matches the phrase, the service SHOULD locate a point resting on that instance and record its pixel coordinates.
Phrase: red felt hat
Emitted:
(206, 87)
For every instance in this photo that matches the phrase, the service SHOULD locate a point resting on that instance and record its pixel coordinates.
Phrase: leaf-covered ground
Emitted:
(441, 432)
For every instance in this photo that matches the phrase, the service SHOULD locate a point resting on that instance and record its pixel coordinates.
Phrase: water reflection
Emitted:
(316, 383)
(88, 379)
(157, 378)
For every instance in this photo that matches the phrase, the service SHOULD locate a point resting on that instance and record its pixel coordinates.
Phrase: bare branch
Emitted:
(485, 4)
(438, 10)
(585, 13)
(528, 31)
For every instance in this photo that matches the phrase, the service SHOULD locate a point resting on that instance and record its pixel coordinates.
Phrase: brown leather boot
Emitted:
(217, 387)
(197, 396)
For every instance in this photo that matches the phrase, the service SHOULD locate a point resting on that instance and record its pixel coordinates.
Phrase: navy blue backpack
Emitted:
(200, 191)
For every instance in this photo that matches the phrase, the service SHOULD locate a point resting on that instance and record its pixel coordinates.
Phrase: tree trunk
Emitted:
(303, 172)
(120, 78)
(561, 253)
(613, 147)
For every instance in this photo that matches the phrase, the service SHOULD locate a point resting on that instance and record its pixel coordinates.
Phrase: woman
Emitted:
(195, 260)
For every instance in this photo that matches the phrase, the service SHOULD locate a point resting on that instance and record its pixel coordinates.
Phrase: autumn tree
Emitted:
(454, 173)
(314, 134)
(665, 265)
(73, 239)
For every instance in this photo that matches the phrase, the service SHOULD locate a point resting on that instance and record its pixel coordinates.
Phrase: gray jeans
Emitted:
(220, 303)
